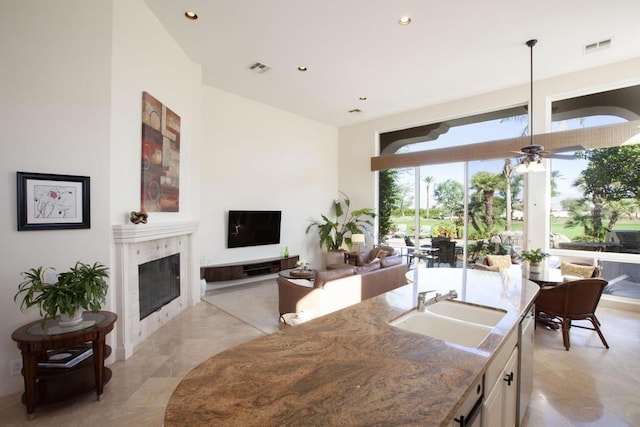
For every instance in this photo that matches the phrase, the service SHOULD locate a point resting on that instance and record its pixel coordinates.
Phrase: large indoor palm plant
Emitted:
(336, 232)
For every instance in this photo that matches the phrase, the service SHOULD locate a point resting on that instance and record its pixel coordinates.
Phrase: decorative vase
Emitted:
(68, 321)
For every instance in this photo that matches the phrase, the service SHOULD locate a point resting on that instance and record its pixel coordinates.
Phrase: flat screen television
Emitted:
(253, 228)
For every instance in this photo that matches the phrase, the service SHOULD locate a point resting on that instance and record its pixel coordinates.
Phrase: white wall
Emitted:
(360, 183)
(257, 157)
(70, 102)
(145, 58)
(54, 116)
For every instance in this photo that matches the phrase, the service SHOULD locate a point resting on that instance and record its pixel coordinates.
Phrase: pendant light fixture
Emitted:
(531, 160)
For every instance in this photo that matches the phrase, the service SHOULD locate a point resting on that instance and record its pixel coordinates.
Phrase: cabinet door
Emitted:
(499, 408)
(510, 394)
(492, 407)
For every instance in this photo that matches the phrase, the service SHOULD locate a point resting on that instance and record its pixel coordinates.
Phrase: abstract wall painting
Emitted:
(160, 157)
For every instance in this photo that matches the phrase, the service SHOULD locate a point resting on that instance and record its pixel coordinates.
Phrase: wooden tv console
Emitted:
(244, 269)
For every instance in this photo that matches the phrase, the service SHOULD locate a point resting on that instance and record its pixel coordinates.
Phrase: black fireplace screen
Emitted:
(158, 283)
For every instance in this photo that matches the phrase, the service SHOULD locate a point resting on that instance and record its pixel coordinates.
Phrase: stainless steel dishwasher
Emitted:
(525, 344)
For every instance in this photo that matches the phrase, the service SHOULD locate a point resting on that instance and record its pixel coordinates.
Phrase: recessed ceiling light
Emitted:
(363, 98)
(302, 68)
(404, 20)
(189, 14)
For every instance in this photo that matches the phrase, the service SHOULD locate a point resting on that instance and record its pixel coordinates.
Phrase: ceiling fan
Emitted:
(532, 154)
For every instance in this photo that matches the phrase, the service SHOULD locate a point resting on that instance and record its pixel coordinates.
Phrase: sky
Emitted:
(494, 130)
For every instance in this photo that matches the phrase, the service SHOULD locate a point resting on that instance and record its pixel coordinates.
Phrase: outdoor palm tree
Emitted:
(487, 184)
(507, 171)
(428, 180)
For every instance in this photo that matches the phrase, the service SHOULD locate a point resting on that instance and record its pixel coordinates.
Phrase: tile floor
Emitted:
(586, 386)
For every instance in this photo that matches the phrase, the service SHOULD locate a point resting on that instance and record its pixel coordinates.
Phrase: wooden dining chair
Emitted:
(572, 301)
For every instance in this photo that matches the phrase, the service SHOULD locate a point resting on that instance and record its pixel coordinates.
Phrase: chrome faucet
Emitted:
(423, 302)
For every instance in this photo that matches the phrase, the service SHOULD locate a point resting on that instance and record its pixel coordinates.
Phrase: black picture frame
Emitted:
(52, 202)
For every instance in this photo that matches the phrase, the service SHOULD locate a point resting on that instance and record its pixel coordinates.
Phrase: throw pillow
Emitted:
(499, 261)
(569, 269)
(376, 259)
(571, 278)
(381, 253)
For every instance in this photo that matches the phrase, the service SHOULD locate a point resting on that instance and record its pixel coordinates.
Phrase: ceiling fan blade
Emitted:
(561, 156)
(566, 149)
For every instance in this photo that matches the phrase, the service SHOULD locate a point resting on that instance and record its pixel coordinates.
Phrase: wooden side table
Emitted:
(351, 258)
(44, 386)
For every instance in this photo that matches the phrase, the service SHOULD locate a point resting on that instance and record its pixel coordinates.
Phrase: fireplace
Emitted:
(148, 247)
(158, 284)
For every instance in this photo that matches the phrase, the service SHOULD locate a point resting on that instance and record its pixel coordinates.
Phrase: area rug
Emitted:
(254, 303)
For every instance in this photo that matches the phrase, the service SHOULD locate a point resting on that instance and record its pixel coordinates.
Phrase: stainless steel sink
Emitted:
(456, 322)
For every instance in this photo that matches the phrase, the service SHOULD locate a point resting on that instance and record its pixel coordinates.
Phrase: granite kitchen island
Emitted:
(352, 368)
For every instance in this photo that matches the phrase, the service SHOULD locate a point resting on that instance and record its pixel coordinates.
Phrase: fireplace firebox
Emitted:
(158, 283)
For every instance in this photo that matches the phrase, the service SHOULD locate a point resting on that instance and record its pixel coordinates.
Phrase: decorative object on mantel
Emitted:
(48, 202)
(160, 157)
(534, 257)
(139, 217)
(82, 287)
(334, 234)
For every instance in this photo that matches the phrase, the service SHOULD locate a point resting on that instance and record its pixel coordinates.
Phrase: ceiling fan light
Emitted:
(523, 167)
(536, 166)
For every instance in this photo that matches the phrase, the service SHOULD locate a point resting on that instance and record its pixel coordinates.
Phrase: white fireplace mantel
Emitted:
(135, 233)
(137, 244)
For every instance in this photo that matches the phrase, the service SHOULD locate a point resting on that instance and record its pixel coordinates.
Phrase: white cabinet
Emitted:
(501, 385)
(510, 386)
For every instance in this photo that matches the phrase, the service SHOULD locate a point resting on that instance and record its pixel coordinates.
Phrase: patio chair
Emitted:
(446, 252)
(571, 301)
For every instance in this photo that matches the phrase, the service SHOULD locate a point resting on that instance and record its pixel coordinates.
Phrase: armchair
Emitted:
(571, 301)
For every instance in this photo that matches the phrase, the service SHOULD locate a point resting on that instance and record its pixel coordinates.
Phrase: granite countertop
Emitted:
(350, 367)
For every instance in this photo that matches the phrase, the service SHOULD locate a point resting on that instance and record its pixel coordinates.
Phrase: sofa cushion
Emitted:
(324, 276)
(368, 267)
(569, 269)
(388, 261)
(499, 262)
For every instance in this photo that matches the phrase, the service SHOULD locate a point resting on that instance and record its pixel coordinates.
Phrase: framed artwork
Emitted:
(160, 190)
(49, 202)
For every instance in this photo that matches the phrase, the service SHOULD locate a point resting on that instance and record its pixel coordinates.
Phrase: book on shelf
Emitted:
(66, 357)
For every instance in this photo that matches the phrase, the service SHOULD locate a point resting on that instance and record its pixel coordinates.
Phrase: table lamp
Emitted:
(357, 238)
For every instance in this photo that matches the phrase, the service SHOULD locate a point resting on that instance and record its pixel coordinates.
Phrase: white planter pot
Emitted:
(67, 321)
(535, 268)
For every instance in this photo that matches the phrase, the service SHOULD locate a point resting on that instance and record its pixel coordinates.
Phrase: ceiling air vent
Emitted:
(259, 67)
(593, 47)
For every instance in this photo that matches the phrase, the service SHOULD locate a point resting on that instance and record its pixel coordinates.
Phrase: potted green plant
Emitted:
(334, 233)
(534, 257)
(444, 229)
(83, 287)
